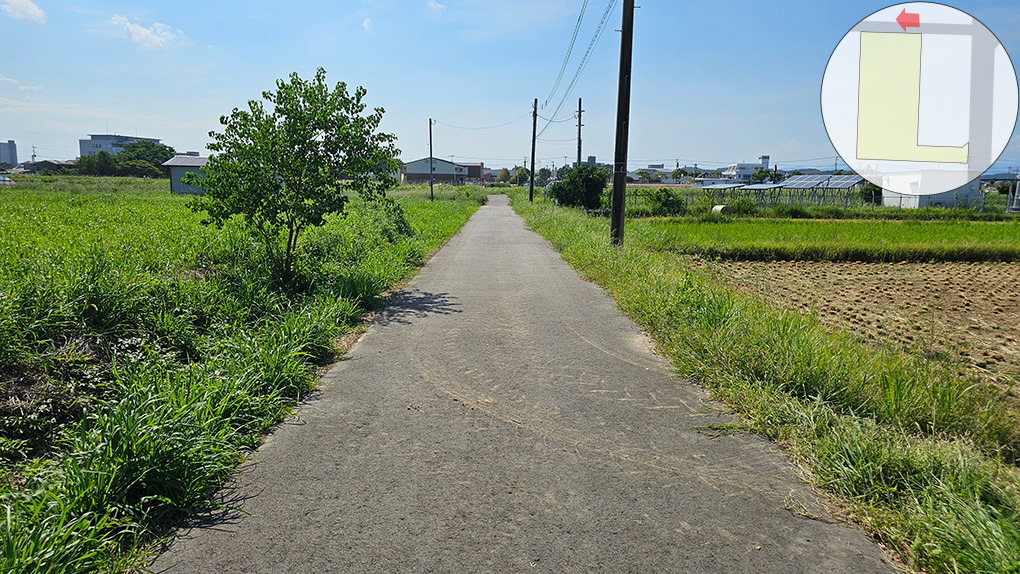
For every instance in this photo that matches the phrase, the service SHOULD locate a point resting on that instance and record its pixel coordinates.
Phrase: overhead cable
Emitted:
(584, 62)
(566, 58)
(485, 126)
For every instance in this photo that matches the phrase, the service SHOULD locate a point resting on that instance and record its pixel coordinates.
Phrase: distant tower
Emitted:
(764, 161)
(9, 152)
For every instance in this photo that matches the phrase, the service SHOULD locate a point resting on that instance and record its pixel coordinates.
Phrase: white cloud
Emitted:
(17, 83)
(23, 10)
(155, 37)
(367, 24)
(436, 6)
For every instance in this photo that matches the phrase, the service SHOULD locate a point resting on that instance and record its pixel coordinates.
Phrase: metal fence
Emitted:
(643, 199)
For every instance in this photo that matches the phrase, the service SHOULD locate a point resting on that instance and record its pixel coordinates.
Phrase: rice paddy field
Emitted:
(142, 354)
(880, 354)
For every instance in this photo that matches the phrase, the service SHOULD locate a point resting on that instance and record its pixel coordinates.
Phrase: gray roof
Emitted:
(186, 161)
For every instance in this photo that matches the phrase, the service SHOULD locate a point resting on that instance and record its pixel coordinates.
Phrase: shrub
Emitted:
(664, 201)
(582, 187)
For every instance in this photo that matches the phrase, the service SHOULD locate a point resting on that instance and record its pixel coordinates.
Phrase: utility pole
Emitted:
(534, 136)
(432, 170)
(579, 124)
(622, 125)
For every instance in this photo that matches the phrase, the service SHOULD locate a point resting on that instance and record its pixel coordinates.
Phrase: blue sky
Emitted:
(713, 82)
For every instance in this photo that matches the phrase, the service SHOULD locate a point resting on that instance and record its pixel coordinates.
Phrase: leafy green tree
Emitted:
(872, 194)
(151, 152)
(583, 187)
(503, 176)
(1005, 187)
(4, 166)
(680, 173)
(286, 168)
(562, 171)
(100, 163)
(544, 175)
(138, 168)
(521, 176)
(649, 176)
(763, 175)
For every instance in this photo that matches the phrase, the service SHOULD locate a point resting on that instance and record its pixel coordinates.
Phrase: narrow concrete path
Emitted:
(502, 416)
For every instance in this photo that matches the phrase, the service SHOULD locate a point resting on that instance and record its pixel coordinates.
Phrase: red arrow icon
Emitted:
(908, 20)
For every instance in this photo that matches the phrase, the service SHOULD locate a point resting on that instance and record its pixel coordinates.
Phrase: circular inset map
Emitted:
(919, 98)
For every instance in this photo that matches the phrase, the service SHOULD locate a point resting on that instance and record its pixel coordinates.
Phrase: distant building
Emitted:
(46, 165)
(741, 172)
(9, 152)
(110, 143)
(182, 164)
(968, 195)
(592, 160)
(443, 171)
(476, 172)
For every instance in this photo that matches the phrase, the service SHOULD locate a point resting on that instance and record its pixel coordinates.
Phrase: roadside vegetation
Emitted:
(142, 353)
(922, 456)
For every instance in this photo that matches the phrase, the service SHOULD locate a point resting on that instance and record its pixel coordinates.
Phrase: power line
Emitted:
(570, 119)
(484, 127)
(566, 58)
(584, 61)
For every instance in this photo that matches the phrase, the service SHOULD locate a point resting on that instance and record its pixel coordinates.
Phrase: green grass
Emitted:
(141, 353)
(824, 240)
(923, 458)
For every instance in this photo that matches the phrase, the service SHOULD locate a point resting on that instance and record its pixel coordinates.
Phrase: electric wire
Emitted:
(584, 61)
(566, 59)
(570, 119)
(483, 127)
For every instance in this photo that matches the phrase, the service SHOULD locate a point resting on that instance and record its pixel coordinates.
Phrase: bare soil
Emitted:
(969, 312)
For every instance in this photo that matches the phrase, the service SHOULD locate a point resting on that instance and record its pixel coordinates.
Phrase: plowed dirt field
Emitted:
(967, 311)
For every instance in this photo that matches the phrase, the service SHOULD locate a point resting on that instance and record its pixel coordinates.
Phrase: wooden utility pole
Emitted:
(432, 170)
(534, 137)
(622, 125)
(579, 124)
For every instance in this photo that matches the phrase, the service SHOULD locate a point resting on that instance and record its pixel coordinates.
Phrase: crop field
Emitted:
(966, 312)
(880, 354)
(143, 353)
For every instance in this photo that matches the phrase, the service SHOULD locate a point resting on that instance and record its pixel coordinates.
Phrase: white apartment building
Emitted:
(110, 143)
(741, 172)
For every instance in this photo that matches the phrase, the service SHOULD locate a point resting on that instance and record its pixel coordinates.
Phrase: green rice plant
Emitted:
(715, 236)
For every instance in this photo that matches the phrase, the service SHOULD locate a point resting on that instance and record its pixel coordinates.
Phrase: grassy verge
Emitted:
(141, 354)
(924, 459)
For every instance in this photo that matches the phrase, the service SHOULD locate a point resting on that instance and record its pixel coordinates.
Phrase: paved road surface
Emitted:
(503, 416)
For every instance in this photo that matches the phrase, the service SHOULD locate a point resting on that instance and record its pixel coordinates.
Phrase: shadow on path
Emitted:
(411, 304)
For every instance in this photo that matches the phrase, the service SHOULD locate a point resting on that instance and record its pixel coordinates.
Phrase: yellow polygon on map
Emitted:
(888, 105)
